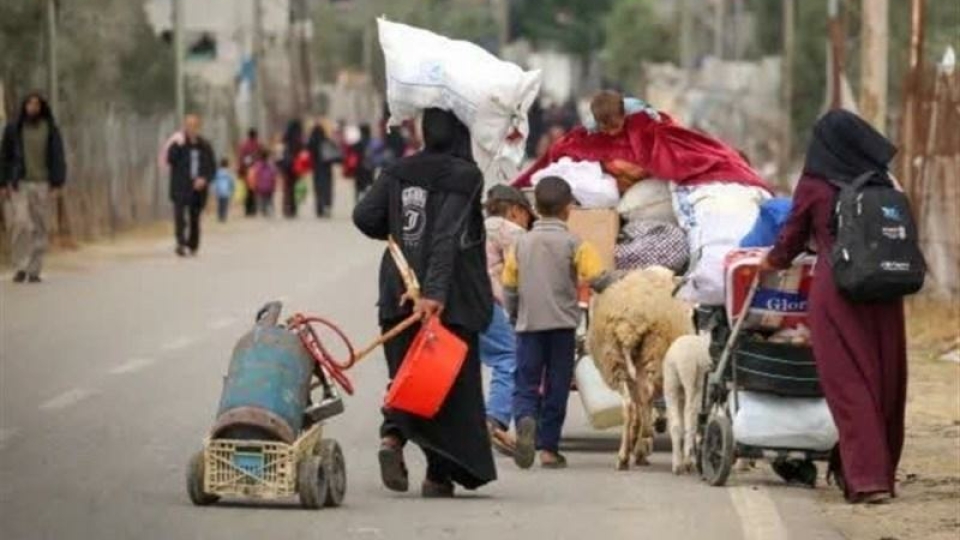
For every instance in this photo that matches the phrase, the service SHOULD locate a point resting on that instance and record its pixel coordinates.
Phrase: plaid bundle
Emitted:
(652, 243)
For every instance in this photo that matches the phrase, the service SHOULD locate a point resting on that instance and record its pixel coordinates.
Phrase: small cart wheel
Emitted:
(716, 457)
(195, 473)
(311, 482)
(335, 470)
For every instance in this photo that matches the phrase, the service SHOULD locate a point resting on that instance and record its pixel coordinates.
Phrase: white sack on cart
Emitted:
(716, 217)
(648, 200)
(592, 187)
(770, 421)
(489, 95)
(604, 406)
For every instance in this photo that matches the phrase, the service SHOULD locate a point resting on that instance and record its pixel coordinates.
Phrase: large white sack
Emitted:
(716, 218)
(592, 187)
(648, 200)
(489, 95)
(772, 421)
(604, 407)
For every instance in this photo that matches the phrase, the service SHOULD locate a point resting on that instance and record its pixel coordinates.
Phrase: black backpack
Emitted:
(877, 255)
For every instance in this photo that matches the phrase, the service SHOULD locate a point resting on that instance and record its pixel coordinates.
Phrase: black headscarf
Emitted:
(45, 112)
(443, 133)
(844, 146)
(293, 138)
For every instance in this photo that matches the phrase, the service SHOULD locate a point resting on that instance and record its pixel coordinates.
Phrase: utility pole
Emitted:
(837, 54)
(786, 141)
(719, 17)
(686, 36)
(874, 42)
(911, 89)
(256, 55)
(53, 81)
(502, 16)
(178, 58)
(305, 33)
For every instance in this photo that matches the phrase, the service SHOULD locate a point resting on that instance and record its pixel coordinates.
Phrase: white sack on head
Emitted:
(487, 94)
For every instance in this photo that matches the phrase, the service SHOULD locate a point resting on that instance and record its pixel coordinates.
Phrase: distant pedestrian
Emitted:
(263, 177)
(246, 155)
(362, 171)
(540, 280)
(223, 187)
(192, 166)
(32, 171)
(292, 145)
(324, 153)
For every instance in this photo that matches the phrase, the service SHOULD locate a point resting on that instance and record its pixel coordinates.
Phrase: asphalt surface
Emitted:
(110, 374)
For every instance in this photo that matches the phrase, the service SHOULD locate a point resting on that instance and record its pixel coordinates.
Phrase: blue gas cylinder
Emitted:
(267, 386)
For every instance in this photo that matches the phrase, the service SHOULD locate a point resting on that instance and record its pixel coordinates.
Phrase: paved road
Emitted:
(110, 373)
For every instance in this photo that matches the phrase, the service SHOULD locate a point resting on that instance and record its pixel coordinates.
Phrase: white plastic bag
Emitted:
(487, 94)
(648, 200)
(604, 407)
(770, 421)
(590, 185)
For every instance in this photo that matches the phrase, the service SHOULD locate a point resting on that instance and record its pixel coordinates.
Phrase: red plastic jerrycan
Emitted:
(428, 371)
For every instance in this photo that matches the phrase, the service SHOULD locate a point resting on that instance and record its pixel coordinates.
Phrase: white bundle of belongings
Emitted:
(489, 95)
(603, 405)
(771, 421)
(716, 217)
(591, 187)
(648, 200)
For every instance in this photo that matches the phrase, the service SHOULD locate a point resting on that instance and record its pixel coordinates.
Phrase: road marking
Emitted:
(7, 435)
(66, 399)
(221, 323)
(132, 365)
(177, 344)
(758, 513)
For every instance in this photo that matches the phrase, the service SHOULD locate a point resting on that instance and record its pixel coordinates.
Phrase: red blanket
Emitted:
(664, 149)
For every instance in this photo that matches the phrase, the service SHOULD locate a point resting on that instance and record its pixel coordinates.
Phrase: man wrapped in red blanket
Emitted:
(640, 145)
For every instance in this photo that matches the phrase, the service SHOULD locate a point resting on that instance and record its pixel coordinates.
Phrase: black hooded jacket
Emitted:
(12, 167)
(430, 204)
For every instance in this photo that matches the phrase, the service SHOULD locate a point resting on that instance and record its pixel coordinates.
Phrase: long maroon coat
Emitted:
(860, 350)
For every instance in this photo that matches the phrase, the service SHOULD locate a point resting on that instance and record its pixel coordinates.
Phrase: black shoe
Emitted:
(19, 277)
(34, 278)
(436, 490)
(181, 251)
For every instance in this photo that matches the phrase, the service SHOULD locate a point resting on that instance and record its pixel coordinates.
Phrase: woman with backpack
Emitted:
(859, 345)
(262, 179)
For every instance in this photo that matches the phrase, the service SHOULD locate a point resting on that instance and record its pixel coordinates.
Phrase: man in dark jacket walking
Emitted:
(430, 204)
(192, 166)
(32, 171)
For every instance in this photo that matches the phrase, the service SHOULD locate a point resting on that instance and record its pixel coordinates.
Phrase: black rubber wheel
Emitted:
(335, 471)
(716, 457)
(311, 482)
(195, 482)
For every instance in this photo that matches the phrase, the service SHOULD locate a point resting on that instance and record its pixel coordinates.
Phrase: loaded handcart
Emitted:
(762, 397)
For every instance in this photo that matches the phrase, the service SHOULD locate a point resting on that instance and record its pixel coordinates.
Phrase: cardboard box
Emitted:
(600, 227)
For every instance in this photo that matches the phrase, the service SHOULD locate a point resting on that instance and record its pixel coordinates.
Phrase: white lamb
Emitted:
(684, 367)
(633, 323)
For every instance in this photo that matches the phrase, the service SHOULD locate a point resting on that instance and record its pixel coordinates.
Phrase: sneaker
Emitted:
(500, 438)
(525, 452)
(393, 470)
(181, 251)
(19, 277)
(34, 278)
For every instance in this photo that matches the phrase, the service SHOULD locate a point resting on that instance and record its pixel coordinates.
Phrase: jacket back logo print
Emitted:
(414, 201)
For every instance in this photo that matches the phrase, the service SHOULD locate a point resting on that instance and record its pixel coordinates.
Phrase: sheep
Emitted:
(684, 368)
(633, 323)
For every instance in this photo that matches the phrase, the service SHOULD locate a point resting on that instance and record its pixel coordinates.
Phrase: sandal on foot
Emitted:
(393, 471)
(436, 490)
(554, 461)
(526, 450)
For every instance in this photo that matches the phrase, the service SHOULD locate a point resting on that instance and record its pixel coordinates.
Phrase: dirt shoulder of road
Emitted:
(928, 506)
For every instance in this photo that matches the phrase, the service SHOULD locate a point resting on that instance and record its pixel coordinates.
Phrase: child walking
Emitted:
(223, 188)
(263, 178)
(540, 281)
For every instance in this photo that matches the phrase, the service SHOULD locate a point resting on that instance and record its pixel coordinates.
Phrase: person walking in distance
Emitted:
(292, 145)
(262, 179)
(192, 166)
(32, 171)
(223, 186)
(247, 154)
(323, 154)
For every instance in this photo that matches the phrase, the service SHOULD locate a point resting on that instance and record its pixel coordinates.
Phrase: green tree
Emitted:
(574, 26)
(635, 34)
